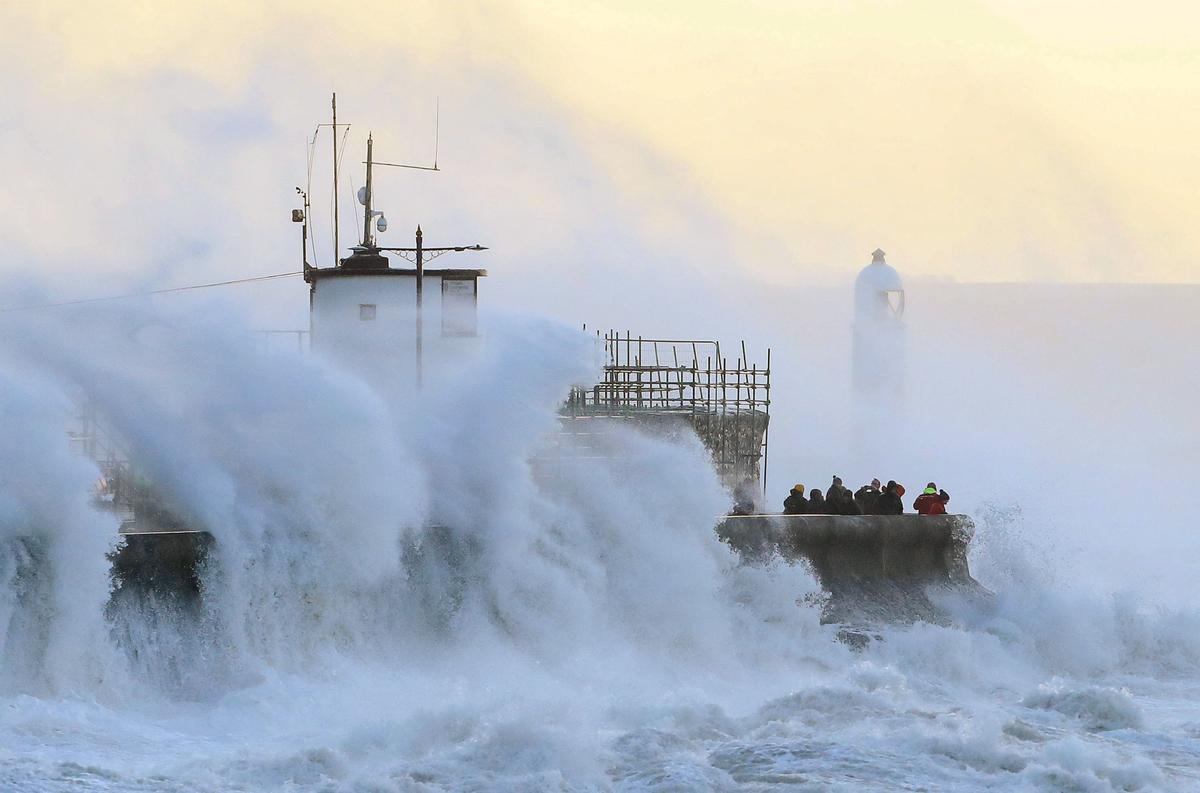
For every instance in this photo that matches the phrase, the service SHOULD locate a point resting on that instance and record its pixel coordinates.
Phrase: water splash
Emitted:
(419, 595)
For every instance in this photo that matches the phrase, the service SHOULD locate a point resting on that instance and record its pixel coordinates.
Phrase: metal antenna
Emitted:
(334, 126)
(437, 111)
(336, 246)
(368, 219)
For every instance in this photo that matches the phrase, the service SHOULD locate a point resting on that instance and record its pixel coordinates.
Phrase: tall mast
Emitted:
(336, 242)
(368, 221)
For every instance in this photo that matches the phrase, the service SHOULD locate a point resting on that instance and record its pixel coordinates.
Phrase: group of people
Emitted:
(870, 499)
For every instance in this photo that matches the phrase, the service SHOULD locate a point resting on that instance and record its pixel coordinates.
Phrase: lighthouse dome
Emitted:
(879, 276)
(878, 285)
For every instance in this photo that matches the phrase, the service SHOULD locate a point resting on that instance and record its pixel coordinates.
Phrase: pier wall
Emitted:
(873, 567)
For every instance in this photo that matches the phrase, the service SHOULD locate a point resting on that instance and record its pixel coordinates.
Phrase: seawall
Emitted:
(873, 567)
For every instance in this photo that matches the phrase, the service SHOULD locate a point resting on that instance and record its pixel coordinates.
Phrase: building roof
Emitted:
(314, 274)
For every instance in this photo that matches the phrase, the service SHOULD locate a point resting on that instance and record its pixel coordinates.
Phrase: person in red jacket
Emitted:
(932, 501)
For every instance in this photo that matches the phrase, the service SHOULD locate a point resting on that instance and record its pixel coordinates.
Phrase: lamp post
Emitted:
(418, 253)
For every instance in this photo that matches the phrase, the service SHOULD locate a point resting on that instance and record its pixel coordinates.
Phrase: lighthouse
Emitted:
(393, 327)
(879, 333)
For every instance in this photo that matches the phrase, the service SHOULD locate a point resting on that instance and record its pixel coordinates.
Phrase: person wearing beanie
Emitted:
(838, 492)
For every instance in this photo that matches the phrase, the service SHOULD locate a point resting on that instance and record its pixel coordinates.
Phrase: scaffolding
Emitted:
(689, 380)
(141, 506)
(89, 437)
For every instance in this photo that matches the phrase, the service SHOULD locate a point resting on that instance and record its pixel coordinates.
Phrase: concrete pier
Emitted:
(873, 567)
(160, 561)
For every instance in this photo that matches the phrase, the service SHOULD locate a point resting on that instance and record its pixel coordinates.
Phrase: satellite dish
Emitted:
(362, 195)
(381, 224)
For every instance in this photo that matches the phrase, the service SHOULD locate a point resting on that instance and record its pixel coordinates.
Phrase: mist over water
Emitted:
(429, 592)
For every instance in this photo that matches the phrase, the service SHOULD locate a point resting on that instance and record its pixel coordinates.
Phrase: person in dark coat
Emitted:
(745, 498)
(867, 498)
(817, 504)
(837, 491)
(890, 502)
(846, 505)
(796, 503)
(837, 497)
(932, 501)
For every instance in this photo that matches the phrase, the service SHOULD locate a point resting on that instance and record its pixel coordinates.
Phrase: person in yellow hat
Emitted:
(796, 503)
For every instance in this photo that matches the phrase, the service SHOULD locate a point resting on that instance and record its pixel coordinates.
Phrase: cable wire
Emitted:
(312, 154)
(150, 293)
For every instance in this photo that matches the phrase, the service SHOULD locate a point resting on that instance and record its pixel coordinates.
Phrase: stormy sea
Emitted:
(423, 592)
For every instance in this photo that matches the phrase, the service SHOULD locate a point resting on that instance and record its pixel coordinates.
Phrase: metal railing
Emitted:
(269, 340)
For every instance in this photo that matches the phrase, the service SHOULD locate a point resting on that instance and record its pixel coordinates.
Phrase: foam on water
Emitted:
(413, 595)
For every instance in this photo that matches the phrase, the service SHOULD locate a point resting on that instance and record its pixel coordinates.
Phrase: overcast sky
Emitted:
(154, 144)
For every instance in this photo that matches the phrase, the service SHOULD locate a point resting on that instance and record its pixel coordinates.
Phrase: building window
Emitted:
(459, 297)
(366, 311)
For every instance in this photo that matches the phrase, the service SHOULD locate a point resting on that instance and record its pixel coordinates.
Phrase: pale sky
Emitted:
(977, 141)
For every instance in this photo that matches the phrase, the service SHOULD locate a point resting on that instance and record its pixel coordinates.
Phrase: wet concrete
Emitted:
(893, 568)
(163, 562)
